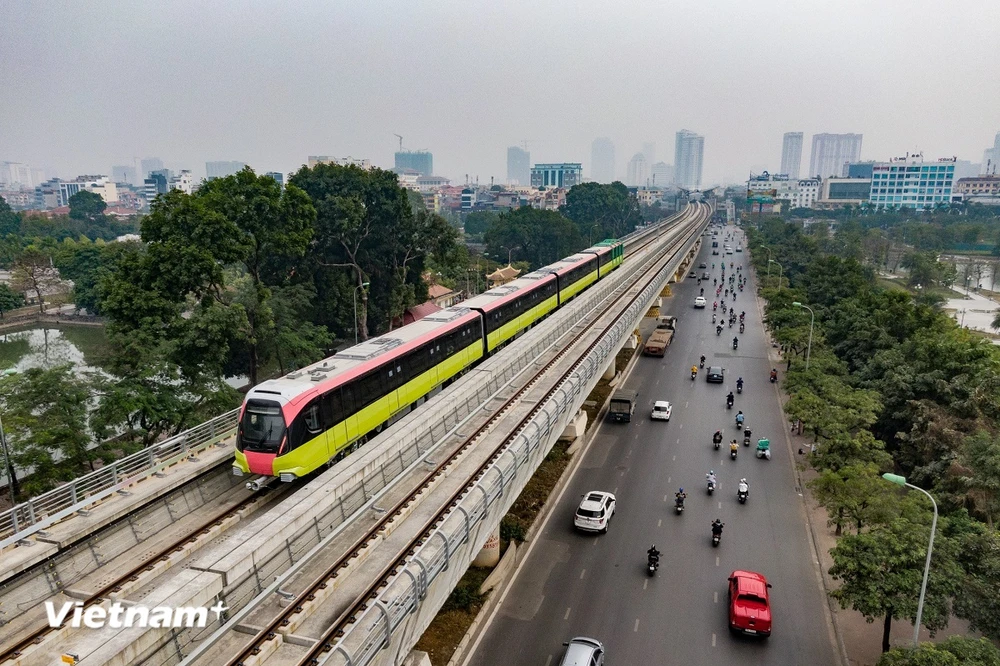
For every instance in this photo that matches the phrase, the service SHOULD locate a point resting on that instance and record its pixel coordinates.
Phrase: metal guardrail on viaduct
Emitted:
(47, 509)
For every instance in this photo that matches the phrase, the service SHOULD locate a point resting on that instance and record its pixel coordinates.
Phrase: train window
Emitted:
(312, 420)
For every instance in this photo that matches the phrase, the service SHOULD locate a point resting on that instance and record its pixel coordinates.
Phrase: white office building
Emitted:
(911, 182)
(662, 175)
(689, 150)
(100, 185)
(831, 153)
(791, 154)
(798, 192)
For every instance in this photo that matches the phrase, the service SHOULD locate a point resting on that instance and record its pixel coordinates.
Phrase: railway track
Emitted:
(265, 643)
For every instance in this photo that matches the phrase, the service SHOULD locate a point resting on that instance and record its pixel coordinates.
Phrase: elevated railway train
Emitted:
(292, 425)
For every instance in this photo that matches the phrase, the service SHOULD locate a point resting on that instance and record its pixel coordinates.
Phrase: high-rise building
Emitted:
(149, 165)
(689, 150)
(420, 161)
(791, 154)
(602, 160)
(662, 175)
(912, 183)
(518, 166)
(124, 174)
(566, 174)
(638, 170)
(649, 150)
(859, 170)
(222, 169)
(991, 156)
(15, 175)
(278, 176)
(100, 185)
(831, 152)
(182, 181)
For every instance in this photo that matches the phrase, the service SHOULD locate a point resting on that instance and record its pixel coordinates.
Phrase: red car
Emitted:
(749, 603)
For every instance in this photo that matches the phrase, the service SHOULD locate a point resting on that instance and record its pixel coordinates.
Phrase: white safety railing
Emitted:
(38, 513)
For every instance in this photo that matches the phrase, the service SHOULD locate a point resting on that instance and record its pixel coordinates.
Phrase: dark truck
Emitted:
(660, 339)
(622, 405)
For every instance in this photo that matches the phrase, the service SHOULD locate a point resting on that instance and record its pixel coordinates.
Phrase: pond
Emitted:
(47, 346)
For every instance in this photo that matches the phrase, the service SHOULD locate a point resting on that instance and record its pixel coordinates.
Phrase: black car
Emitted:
(715, 252)
(703, 265)
(716, 375)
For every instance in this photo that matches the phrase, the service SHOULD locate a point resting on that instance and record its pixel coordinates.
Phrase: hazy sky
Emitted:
(90, 84)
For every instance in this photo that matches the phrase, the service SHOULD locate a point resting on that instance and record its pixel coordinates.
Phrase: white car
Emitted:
(595, 511)
(700, 302)
(662, 410)
(739, 248)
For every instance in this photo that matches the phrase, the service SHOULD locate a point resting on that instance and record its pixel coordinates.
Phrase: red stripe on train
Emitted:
(260, 463)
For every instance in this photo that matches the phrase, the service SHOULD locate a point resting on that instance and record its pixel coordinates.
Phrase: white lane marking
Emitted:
(678, 440)
(645, 584)
(616, 493)
(682, 426)
(595, 542)
(686, 405)
(716, 560)
(713, 640)
(675, 457)
(715, 597)
(636, 628)
(669, 478)
(566, 616)
(548, 661)
(659, 523)
(664, 498)
(720, 505)
(584, 573)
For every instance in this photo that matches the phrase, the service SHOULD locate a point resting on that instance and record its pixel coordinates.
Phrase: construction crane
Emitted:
(398, 136)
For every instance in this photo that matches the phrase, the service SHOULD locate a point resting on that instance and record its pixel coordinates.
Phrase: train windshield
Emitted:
(262, 427)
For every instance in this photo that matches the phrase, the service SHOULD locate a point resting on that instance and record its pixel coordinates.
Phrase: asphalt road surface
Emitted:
(574, 583)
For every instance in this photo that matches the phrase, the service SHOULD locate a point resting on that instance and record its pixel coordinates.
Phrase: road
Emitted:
(575, 584)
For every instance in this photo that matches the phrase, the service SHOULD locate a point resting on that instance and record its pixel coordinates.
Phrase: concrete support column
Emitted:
(609, 372)
(489, 555)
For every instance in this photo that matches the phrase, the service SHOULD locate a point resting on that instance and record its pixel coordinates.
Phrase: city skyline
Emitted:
(275, 93)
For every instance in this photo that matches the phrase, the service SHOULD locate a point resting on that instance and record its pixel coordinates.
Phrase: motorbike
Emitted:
(713, 317)
(701, 363)
(679, 505)
(716, 537)
(730, 323)
(741, 495)
(718, 331)
(652, 564)
(774, 377)
(729, 403)
(717, 440)
(739, 389)
(742, 329)
(711, 487)
(736, 345)
(694, 374)
(732, 452)
(746, 438)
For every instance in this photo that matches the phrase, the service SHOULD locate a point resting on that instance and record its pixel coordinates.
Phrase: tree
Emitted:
(608, 205)
(45, 419)
(364, 227)
(855, 493)
(953, 651)
(980, 457)
(9, 299)
(477, 222)
(540, 236)
(33, 272)
(881, 572)
(87, 206)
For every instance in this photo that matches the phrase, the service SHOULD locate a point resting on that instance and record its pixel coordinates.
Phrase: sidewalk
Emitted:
(973, 311)
(861, 641)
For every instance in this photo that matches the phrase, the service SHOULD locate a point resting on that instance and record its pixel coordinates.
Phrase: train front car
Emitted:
(293, 425)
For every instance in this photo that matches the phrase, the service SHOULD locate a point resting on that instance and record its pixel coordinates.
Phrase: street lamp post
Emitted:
(768, 263)
(590, 234)
(901, 481)
(355, 294)
(781, 271)
(508, 252)
(812, 320)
